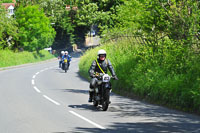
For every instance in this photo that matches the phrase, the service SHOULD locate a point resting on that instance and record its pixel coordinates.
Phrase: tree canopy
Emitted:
(175, 19)
(35, 30)
(8, 30)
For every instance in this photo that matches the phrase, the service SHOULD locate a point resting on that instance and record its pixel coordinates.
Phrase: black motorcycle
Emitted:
(102, 91)
(65, 65)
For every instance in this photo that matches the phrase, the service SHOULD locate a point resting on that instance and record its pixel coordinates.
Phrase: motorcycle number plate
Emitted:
(65, 60)
(106, 78)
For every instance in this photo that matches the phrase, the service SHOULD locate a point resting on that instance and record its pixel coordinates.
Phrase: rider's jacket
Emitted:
(66, 56)
(106, 64)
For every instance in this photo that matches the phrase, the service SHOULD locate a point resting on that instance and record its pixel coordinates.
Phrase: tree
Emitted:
(8, 30)
(87, 15)
(35, 30)
(62, 20)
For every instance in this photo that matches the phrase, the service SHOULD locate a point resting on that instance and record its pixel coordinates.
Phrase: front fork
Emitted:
(105, 92)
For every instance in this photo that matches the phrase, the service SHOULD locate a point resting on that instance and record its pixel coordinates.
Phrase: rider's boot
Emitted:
(90, 96)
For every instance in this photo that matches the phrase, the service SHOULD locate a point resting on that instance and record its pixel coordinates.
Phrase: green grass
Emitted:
(170, 76)
(10, 58)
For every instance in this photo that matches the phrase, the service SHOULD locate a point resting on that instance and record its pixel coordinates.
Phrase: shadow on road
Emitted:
(80, 77)
(76, 91)
(144, 127)
(76, 54)
(148, 118)
(86, 107)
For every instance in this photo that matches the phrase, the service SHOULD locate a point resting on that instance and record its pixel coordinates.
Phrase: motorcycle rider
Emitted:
(60, 57)
(66, 55)
(104, 64)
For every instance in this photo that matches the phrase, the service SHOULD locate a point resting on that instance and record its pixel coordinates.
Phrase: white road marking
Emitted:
(51, 100)
(34, 76)
(96, 125)
(37, 89)
(33, 82)
(37, 73)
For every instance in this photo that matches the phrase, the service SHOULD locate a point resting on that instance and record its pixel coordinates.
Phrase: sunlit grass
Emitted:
(10, 58)
(169, 77)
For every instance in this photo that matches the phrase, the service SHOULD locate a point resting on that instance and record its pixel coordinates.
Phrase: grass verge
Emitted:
(10, 58)
(169, 75)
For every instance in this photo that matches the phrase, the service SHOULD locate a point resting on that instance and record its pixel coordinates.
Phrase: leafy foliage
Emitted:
(7, 1)
(8, 30)
(35, 31)
(155, 51)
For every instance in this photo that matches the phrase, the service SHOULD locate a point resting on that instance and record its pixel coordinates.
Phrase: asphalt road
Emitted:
(41, 98)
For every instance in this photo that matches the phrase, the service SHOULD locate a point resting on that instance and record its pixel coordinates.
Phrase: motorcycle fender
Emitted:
(108, 85)
(66, 65)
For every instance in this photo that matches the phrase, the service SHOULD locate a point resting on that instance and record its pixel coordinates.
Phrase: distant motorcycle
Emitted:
(102, 92)
(65, 65)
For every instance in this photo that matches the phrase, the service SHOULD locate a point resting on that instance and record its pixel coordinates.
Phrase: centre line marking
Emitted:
(33, 82)
(37, 89)
(96, 125)
(51, 100)
(37, 73)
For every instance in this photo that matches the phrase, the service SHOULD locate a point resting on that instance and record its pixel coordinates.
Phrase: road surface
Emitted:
(41, 98)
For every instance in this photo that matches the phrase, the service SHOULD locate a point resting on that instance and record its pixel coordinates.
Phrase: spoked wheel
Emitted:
(105, 103)
(95, 103)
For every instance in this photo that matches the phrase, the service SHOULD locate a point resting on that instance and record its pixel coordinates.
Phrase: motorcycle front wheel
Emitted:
(105, 103)
(66, 67)
(95, 103)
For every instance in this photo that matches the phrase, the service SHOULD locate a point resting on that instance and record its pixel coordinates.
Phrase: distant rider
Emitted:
(60, 57)
(66, 55)
(104, 64)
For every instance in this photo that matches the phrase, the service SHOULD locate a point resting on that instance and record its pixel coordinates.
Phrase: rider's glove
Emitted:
(115, 77)
(92, 76)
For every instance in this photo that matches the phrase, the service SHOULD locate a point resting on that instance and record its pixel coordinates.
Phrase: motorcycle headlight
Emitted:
(106, 78)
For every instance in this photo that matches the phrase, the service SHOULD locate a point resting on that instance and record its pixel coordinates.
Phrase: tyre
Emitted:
(95, 103)
(106, 101)
(105, 105)
(66, 67)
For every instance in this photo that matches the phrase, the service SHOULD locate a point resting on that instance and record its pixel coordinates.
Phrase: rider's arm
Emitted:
(111, 69)
(69, 58)
(92, 69)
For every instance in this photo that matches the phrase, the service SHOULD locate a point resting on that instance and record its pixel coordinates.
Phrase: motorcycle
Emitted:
(102, 91)
(65, 65)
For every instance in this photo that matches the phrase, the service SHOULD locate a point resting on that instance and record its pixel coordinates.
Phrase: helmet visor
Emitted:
(102, 55)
